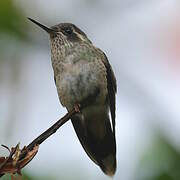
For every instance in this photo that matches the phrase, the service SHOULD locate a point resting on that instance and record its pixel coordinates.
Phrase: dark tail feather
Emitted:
(101, 150)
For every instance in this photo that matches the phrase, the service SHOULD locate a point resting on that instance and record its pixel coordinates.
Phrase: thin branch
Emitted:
(20, 158)
(41, 138)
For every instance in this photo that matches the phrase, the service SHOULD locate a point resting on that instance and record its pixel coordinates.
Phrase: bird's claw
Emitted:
(77, 108)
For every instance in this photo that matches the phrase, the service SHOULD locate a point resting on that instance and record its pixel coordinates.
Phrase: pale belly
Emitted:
(80, 83)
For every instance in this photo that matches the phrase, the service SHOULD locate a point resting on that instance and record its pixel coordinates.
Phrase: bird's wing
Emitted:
(101, 149)
(112, 89)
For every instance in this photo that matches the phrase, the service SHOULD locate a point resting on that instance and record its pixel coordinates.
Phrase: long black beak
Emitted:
(48, 30)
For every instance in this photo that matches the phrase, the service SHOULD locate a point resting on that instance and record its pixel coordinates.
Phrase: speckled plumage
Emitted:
(83, 75)
(78, 74)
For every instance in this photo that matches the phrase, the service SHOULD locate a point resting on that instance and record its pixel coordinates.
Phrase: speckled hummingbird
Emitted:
(84, 76)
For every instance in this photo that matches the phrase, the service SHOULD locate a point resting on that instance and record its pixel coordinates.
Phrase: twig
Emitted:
(20, 158)
(41, 138)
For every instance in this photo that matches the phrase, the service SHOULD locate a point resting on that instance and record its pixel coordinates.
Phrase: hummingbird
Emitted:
(84, 76)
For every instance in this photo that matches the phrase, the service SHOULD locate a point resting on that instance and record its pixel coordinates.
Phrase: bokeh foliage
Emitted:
(161, 161)
(13, 30)
(12, 20)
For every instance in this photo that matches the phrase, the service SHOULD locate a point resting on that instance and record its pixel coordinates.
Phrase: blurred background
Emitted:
(142, 41)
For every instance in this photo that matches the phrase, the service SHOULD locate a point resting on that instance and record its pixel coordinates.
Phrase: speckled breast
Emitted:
(78, 81)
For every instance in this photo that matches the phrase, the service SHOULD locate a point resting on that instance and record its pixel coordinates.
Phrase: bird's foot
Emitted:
(77, 108)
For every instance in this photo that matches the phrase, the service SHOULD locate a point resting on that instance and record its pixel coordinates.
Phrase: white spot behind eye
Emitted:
(80, 36)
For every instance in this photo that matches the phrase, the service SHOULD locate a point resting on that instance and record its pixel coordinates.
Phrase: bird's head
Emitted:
(64, 33)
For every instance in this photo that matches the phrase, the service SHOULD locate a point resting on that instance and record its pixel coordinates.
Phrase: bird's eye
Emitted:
(67, 31)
